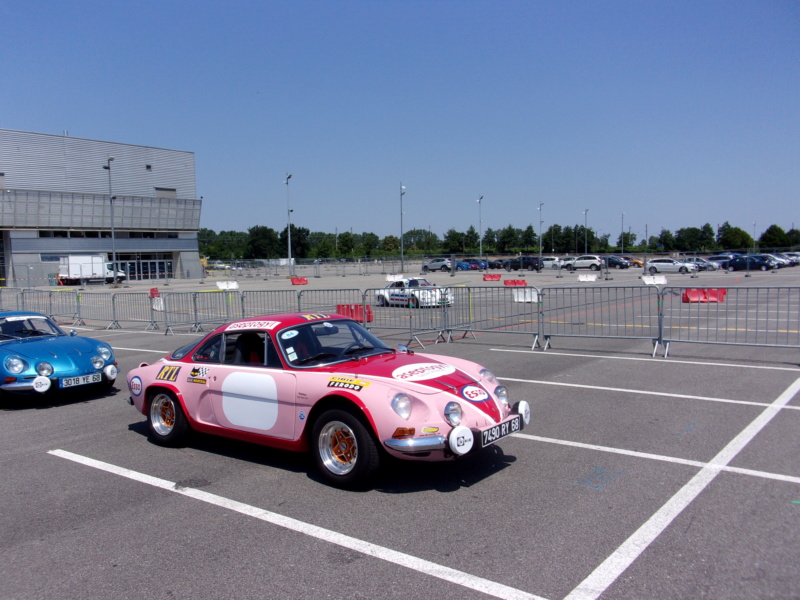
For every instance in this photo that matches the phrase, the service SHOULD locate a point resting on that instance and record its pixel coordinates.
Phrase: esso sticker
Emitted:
(422, 371)
(473, 393)
(135, 386)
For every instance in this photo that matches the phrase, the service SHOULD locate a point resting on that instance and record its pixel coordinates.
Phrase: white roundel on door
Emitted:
(250, 400)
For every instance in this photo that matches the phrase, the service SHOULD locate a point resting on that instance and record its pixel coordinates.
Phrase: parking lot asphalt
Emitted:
(638, 477)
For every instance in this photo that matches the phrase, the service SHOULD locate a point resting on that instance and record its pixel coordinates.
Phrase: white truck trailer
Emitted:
(75, 269)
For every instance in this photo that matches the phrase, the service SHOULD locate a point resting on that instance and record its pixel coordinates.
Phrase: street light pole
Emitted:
(541, 233)
(622, 236)
(585, 233)
(289, 225)
(402, 255)
(111, 199)
(480, 229)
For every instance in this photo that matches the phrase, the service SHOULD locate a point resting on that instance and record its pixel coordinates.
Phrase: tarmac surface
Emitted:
(637, 478)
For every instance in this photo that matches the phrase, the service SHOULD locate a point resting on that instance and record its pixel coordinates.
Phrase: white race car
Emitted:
(415, 292)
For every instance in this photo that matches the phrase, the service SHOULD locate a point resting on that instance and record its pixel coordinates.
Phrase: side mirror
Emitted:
(72, 333)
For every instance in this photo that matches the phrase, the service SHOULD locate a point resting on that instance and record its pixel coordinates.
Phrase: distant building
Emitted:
(57, 195)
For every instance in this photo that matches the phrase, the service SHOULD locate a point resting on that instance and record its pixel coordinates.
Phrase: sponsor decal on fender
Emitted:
(422, 371)
(347, 383)
(473, 393)
(168, 373)
(136, 386)
(198, 375)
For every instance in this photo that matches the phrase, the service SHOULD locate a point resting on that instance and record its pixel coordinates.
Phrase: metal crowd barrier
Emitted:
(749, 316)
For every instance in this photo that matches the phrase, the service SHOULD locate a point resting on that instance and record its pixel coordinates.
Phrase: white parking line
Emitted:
(643, 392)
(432, 569)
(669, 361)
(659, 457)
(616, 564)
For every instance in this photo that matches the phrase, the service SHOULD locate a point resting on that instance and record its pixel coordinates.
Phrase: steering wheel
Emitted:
(353, 346)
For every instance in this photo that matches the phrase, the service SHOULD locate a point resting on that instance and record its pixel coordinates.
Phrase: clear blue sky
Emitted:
(676, 113)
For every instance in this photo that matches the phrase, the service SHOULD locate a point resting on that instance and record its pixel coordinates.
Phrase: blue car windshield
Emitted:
(24, 326)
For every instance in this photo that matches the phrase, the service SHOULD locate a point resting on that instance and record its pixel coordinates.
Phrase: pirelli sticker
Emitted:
(347, 383)
(168, 373)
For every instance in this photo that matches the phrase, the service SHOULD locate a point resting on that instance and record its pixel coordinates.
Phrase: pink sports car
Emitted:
(325, 383)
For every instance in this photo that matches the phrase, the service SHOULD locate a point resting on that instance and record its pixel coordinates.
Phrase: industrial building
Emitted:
(64, 195)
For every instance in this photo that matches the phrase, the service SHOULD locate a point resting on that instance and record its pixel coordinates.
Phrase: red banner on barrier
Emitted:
(299, 281)
(491, 276)
(521, 282)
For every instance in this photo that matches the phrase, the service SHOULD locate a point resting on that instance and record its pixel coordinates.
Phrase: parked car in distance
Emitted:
(437, 264)
(750, 263)
(636, 262)
(495, 264)
(551, 262)
(476, 263)
(721, 260)
(324, 383)
(669, 265)
(586, 261)
(702, 264)
(616, 262)
(416, 292)
(37, 356)
(523, 263)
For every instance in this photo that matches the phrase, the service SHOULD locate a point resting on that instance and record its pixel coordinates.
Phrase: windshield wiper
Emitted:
(309, 359)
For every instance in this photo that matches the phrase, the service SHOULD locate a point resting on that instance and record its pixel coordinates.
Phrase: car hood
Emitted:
(424, 375)
(49, 347)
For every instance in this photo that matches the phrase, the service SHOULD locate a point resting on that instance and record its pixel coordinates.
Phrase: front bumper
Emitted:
(462, 440)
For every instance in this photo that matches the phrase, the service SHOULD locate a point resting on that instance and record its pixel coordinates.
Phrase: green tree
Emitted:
(453, 242)
(471, 239)
(733, 238)
(528, 238)
(508, 239)
(666, 241)
(262, 242)
(774, 237)
(391, 244)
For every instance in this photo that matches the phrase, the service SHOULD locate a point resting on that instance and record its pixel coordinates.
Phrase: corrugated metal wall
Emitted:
(39, 161)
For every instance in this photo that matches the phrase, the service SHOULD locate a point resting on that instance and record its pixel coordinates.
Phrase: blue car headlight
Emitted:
(105, 352)
(45, 369)
(15, 365)
(98, 362)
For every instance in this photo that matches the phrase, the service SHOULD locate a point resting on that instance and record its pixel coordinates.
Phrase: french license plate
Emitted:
(66, 382)
(501, 430)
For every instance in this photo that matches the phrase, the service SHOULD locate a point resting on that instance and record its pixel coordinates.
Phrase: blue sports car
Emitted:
(36, 356)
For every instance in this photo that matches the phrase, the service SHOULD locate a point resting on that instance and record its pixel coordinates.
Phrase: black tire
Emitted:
(653, 270)
(594, 267)
(763, 267)
(618, 266)
(444, 268)
(683, 270)
(165, 419)
(508, 268)
(530, 267)
(382, 301)
(425, 268)
(343, 449)
(731, 269)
